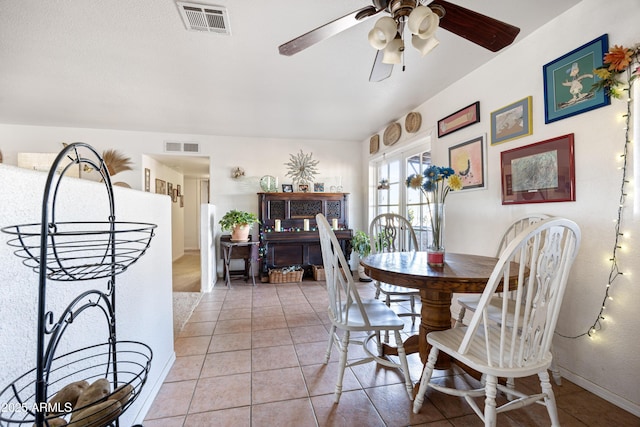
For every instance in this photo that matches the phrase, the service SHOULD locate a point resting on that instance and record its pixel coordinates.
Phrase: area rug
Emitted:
(183, 305)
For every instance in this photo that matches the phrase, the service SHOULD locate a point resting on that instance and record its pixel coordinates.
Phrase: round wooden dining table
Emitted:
(461, 273)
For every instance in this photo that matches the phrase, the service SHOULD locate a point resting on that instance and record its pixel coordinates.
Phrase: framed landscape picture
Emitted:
(568, 81)
(469, 161)
(512, 122)
(539, 173)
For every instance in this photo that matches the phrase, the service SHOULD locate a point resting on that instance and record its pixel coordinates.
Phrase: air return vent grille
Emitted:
(203, 17)
(181, 147)
(191, 147)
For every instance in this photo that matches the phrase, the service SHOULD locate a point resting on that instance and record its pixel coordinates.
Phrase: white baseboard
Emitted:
(601, 392)
(155, 389)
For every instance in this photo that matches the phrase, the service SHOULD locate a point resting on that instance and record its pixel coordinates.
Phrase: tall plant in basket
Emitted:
(435, 183)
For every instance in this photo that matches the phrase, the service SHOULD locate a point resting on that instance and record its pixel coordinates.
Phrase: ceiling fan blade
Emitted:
(380, 70)
(327, 30)
(475, 27)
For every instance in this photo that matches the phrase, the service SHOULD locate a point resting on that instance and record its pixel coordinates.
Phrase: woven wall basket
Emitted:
(374, 144)
(392, 134)
(412, 122)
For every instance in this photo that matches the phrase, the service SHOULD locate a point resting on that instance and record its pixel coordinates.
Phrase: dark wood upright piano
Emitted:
(293, 245)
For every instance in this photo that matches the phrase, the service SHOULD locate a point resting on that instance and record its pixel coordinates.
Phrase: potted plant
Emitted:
(360, 243)
(239, 223)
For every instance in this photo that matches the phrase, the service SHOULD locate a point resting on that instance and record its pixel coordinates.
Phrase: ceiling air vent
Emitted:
(204, 17)
(181, 147)
(191, 147)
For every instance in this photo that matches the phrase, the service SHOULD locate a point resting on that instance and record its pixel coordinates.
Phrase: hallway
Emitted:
(186, 272)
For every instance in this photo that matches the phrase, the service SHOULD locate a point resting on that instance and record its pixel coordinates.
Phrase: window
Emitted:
(416, 208)
(388, 186)
(388, 192)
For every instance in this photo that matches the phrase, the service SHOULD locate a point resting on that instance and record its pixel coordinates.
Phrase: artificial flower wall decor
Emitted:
(620, 69)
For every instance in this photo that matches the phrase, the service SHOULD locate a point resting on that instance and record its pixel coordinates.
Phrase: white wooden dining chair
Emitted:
(390, 232)
(350, 313)
(519, 345)
(469, 302)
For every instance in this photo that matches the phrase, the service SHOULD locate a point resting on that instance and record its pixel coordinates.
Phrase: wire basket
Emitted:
(81, 250)
(89, 364)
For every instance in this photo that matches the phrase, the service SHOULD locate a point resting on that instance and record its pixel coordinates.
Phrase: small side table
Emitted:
(244, 251)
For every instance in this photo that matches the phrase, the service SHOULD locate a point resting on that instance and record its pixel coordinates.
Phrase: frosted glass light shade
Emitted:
(383, 32)
(392, 54)
(423, 22)
(424, 46)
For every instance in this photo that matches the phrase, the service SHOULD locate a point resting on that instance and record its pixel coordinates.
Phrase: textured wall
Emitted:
(144, 303)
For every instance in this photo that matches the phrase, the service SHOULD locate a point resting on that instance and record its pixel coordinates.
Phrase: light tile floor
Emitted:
(252, 356)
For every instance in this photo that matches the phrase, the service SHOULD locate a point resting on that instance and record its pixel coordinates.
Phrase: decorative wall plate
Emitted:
(392, 134)
(374, 144)
(268, 184)
(412, 122)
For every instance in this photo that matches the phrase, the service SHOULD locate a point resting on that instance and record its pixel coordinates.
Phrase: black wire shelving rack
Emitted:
(76, 251)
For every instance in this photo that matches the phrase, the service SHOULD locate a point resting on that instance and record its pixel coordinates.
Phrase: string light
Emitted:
(615, 272)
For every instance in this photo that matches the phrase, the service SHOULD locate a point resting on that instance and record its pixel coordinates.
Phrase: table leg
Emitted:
(250, 262)
(435, 316)
(227, 261)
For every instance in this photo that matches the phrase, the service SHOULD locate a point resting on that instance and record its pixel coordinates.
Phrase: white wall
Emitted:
(161, 171)
(143, 292)
(608, 363)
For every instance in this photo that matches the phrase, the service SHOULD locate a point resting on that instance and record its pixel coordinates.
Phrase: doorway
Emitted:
(189, 178)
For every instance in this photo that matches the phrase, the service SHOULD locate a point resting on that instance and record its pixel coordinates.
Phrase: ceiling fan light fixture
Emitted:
(423, 22)
(392, 54)
(383, 32)
(424, 46)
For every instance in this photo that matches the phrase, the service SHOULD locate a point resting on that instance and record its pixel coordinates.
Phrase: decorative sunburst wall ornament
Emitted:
(302, 168)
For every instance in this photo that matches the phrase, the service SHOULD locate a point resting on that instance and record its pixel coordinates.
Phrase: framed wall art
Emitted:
(512, 121)
(170, 189)
(539, 173)
(469, 161)
(161, 186)
(460, 119)
(568, 81)
(147, 179)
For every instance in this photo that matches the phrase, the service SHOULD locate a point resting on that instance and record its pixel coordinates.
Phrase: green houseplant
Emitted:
(360, 243)
(239, 223)
(362, 246)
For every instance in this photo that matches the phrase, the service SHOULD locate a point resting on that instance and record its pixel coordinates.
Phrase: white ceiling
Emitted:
(132, 65)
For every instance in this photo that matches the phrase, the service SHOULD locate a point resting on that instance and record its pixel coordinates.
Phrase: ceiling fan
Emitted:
(422, 18)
